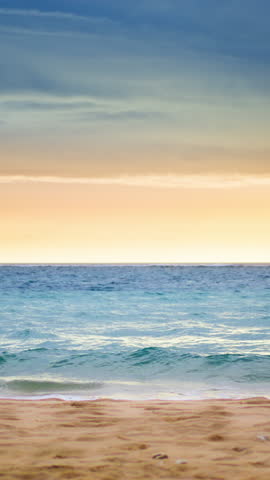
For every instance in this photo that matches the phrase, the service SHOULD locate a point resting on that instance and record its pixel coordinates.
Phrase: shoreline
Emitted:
(106, 439)
(77, 398)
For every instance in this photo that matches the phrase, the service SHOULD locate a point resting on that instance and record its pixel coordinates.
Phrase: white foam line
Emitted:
(155, 396)
(52, 396)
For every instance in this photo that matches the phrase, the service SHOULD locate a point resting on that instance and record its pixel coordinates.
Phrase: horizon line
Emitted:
(131, 263)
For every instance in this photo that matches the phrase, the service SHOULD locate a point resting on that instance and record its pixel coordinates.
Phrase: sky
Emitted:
(134, 131)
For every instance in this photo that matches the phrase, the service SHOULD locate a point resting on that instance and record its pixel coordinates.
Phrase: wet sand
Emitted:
(121, 440)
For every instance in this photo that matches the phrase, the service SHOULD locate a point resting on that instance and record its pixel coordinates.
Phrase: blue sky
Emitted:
(151, 86)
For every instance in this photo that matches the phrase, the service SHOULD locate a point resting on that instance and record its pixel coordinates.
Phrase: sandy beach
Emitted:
(111, 440)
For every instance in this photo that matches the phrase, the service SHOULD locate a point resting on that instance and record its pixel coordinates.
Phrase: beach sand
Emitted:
(118, 440)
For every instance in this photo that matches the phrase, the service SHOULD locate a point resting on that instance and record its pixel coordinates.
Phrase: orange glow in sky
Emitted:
(111, 223)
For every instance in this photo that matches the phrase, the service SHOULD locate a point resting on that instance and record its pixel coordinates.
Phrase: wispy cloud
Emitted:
(149, 181)
(41, 32)
(55, 23)
(50, 14)
(51, 99)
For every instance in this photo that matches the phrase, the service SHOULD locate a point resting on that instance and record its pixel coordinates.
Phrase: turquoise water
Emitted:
(134, 331)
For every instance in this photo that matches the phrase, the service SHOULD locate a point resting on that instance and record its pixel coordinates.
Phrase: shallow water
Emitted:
(134, 331)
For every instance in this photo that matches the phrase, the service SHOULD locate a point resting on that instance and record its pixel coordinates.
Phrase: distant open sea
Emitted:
(134, 331)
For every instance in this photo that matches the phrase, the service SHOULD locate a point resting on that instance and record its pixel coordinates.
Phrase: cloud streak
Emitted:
(51, 14)
(48, 33)
(149, 181)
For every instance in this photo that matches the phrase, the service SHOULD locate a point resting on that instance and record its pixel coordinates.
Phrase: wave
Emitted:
(35, 386)
(140, 356)
(156, 354)
(23, 371)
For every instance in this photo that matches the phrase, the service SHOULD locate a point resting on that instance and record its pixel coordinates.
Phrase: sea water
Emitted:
(134, 331)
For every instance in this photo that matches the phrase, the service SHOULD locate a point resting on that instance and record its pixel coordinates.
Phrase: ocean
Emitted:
(134, 331)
